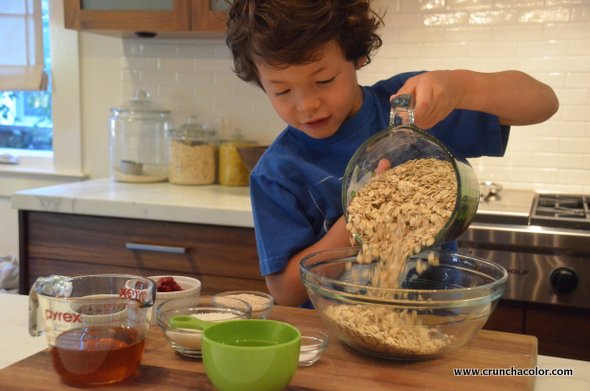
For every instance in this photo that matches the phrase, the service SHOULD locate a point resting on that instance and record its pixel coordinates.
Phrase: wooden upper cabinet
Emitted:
(209, 15)
(164, 18)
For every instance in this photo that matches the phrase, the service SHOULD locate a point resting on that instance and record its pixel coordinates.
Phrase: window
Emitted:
(26, 116)
(64, 161)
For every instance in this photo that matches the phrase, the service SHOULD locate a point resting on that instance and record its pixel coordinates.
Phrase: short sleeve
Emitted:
(280, 224)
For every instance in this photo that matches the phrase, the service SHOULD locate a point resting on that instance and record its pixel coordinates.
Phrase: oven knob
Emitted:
(564, 280)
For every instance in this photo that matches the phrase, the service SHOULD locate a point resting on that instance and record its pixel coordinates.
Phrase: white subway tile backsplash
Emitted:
(520, 33)
(574, 145)
(469, 4)
(446, 19)
(197, 78)
(162, 78)
(544, 15)
(576, 112)
(557, 160)
(155, 48)
(421, 34)
(554, 79)
(551, 3)
(166, 65)
(533, 175)
(565, 31)
(550, 39)
(544, 49)
(392, 49)
(581, 13)
(496, 17)
(491, 49)
(578, 79)
(578, 96)
(455, 49)
(532, 144)
(567, 63)
(518, 3)
(579, 47)
(193, 49)
(401, 20)
(574, 177)
(468, 34)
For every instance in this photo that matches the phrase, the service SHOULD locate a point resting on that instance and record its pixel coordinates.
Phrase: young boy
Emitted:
(304, 55)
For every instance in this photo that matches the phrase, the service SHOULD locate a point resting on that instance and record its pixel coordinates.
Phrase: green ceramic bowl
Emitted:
(250, 354)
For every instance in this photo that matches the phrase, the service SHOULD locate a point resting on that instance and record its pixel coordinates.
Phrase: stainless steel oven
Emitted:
(547, 254)
(543, 241)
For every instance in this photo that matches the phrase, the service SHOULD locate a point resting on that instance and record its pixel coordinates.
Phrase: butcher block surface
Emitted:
(340, 368)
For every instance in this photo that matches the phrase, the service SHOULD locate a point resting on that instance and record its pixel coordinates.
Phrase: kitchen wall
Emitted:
(550, 39)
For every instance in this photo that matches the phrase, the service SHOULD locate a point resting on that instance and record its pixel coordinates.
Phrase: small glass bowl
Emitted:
(260, 302)
(191, 287)
(313, 344)
(187, 342)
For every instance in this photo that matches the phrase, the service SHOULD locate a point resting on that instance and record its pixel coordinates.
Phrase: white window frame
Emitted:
(66, 158)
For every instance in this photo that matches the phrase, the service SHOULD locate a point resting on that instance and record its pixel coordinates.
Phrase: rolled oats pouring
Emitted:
(397, 214)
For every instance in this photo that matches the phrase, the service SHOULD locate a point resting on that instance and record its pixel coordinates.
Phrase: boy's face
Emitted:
(315, 98)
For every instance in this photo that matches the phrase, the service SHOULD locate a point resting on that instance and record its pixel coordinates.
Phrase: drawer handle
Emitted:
(155, 248)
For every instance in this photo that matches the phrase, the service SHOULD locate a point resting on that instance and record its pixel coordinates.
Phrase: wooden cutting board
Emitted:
(340, 368)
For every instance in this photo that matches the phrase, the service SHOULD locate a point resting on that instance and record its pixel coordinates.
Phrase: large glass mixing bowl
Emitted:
(432, 313)
(403, 142)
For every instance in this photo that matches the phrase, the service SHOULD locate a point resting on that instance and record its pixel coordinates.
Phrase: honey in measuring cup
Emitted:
(97, 354)
(95, 325)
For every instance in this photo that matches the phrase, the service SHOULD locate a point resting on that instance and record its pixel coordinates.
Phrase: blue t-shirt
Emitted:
(296, 186)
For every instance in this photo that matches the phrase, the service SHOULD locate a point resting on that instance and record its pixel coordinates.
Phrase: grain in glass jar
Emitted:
(193, 154)
(232, 171)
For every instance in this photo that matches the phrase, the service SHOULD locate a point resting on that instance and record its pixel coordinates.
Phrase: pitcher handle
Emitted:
(34, 329)
(402, 110)
(54, 286)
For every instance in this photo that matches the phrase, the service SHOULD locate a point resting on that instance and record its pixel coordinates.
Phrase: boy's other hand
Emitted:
(382, 166)
(436, 93)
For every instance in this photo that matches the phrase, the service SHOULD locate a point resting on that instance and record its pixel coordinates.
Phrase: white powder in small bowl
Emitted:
(258, 303)
(191, 338)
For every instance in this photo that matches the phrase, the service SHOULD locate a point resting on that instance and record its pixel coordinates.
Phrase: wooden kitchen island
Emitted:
(103, 226)
(340, 368)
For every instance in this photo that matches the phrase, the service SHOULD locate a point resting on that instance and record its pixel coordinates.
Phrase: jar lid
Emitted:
(194, 130)
(140, 104)
(238, 136)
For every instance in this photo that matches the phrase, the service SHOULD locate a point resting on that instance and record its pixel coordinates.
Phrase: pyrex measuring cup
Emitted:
(95, 325)
(402, 142)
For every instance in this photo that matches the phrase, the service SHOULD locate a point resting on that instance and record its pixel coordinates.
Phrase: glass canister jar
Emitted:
(193, 152)
(138, 143)
(232, 171)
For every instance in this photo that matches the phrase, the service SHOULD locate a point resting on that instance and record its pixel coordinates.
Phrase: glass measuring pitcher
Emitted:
(401, 142)
(95, 325)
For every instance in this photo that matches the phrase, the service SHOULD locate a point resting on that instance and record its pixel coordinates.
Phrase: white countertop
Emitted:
(218, 205)
(16, 344)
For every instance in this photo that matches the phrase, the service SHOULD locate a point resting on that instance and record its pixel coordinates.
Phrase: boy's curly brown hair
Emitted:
(286, 32)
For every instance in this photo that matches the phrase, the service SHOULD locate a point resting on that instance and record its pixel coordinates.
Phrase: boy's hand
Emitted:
(382, 166)
(437, 93)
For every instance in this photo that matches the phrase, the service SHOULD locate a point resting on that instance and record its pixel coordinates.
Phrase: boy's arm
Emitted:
(513, 96)
(286, 286)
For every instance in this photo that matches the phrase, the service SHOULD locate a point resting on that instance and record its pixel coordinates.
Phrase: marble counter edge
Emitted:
(215, 205)
(212, 204)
